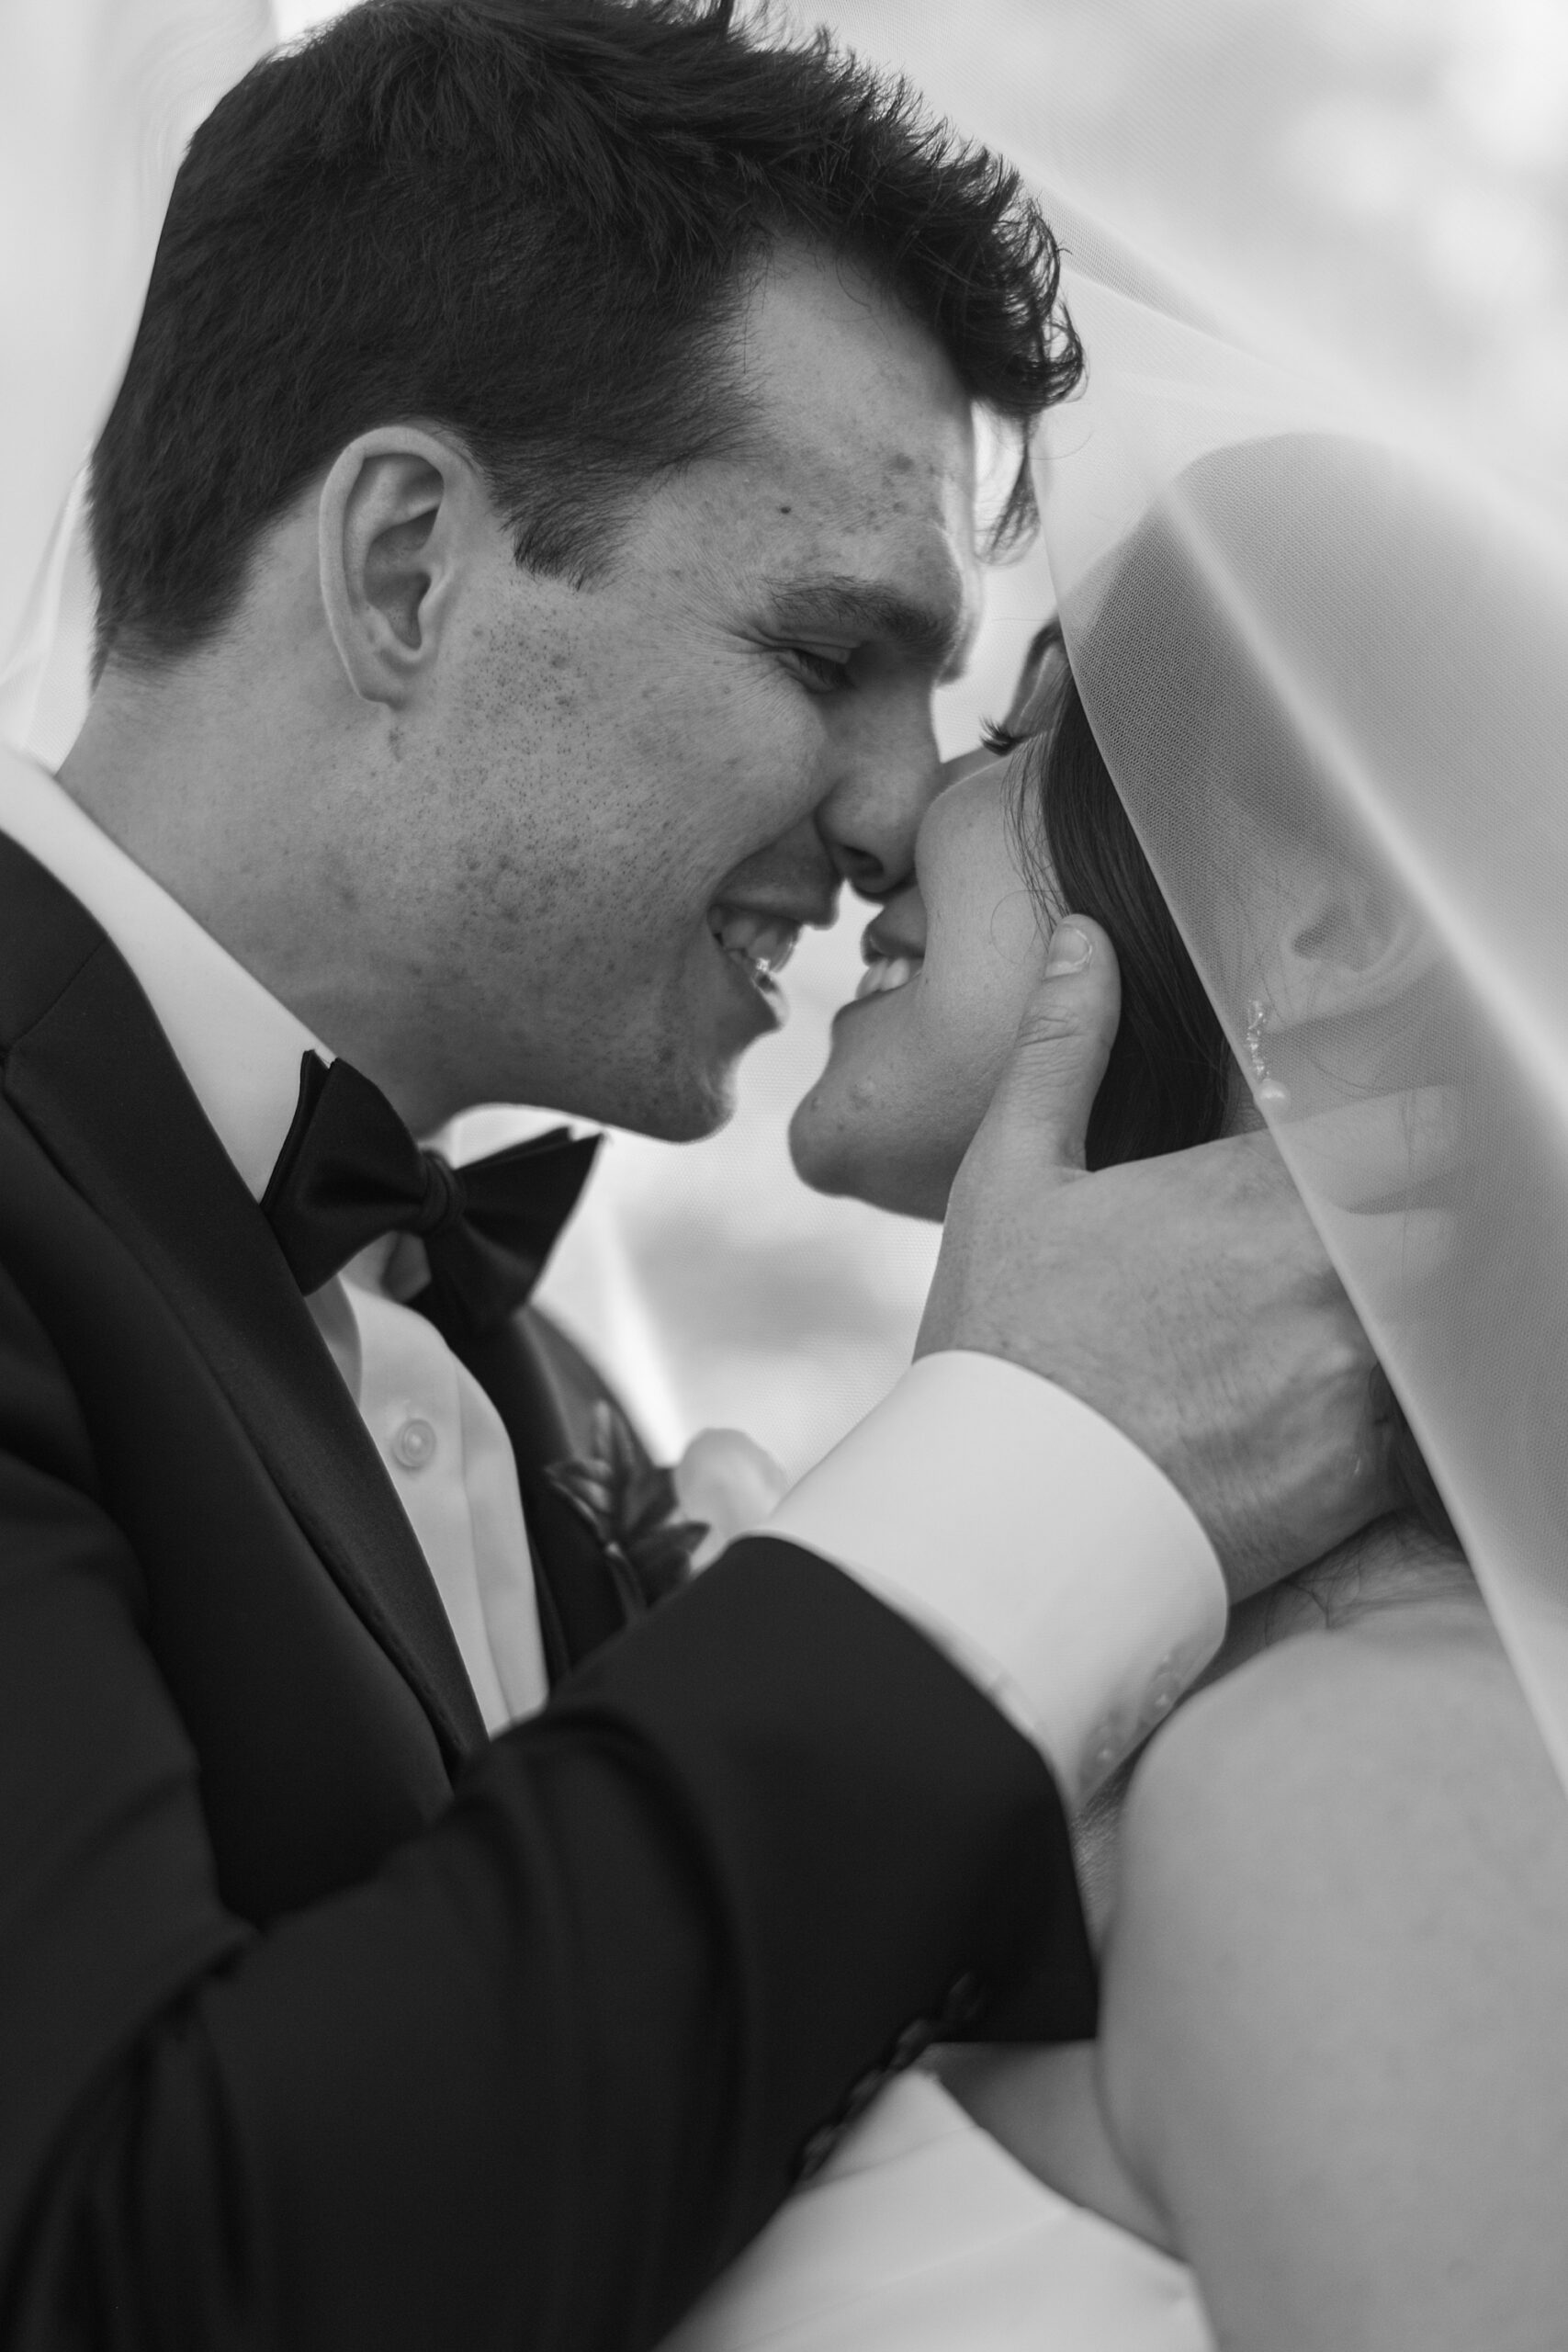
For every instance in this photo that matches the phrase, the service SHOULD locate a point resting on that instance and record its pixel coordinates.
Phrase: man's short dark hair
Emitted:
(531, 222)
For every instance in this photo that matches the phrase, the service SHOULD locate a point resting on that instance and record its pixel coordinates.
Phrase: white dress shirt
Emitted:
(1021, 1531)
(443, 1444)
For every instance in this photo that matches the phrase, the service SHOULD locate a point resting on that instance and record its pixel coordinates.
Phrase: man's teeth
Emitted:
(763, 944)
(885, 973)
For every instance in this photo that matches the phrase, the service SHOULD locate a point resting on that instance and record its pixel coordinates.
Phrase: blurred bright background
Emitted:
(1387, 179)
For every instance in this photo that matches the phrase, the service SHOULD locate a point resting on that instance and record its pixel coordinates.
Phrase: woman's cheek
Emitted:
(967, 1035)
(986, 1002)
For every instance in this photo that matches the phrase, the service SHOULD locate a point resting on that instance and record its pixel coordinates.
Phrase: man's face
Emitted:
(623, 800)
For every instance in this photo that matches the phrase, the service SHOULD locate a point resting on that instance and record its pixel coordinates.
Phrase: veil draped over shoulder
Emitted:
(1324, 656)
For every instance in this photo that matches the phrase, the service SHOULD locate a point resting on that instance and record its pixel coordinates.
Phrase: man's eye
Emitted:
(818, 670)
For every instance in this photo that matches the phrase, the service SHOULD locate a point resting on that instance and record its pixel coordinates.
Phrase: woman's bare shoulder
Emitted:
(1378, 1689)
(1385, 1572)
(1387, 1760)
(1338, 1969)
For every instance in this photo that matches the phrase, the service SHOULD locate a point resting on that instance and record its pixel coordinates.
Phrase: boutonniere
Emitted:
(633, 1509)
(655, 1526)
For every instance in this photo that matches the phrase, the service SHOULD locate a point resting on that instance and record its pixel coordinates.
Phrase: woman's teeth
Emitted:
(761, 945)
(885, 973)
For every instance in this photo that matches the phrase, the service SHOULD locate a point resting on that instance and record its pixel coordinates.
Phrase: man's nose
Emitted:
(870, 818)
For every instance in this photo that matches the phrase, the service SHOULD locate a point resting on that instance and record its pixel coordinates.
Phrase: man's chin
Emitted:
(691, 1103)
(691, 1125)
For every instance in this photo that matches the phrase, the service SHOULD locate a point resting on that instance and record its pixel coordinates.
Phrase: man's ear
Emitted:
(394, 521)
(1347, 944)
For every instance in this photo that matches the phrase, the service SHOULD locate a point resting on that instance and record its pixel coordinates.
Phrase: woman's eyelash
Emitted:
(999, 738)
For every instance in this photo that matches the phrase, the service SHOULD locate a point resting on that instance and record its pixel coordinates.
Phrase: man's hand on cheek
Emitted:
(1188, 1299)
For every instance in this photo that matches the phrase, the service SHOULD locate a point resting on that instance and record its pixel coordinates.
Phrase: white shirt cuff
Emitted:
(1033, 1541)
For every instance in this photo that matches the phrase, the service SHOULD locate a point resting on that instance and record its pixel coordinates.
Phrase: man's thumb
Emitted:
(1063, 1045)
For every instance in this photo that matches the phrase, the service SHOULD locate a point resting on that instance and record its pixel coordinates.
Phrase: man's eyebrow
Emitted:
(931, 633)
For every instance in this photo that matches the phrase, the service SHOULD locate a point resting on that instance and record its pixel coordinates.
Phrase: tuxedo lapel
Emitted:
(88, 1069)
(580, 1605)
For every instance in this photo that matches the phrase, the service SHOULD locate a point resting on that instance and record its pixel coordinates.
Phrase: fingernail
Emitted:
(1070, 949)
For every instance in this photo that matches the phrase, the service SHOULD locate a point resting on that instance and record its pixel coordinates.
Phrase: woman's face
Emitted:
(951, 963)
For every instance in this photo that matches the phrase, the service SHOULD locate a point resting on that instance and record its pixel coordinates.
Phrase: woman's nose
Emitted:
(967, 763)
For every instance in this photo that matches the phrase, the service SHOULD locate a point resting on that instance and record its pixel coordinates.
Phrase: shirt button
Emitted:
(414, 1445)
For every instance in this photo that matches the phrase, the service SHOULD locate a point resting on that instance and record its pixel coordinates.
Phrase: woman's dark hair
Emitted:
(534, 222)
(1168, 1085)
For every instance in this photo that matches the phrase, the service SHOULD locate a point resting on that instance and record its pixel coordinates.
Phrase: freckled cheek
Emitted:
(728, 793)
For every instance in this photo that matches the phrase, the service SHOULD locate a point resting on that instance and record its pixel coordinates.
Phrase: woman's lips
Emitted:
(883, 974)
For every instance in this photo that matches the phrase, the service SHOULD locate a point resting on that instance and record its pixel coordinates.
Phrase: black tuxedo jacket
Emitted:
(324, 2022)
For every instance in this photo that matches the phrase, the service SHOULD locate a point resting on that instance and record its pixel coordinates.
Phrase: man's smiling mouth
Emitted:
(761, 944)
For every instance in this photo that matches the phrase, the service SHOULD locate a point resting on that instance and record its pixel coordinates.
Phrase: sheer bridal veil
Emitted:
(1325, 658)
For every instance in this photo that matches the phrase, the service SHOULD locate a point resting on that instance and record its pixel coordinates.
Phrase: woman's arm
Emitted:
(1335, 2036)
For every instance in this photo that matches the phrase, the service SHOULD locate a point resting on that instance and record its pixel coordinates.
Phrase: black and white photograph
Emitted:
(784, 1176)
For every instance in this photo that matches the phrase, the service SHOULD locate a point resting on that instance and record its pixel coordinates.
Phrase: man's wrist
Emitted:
(1031, 1540)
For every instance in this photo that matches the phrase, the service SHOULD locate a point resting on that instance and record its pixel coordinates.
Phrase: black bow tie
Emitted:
(350, 1171)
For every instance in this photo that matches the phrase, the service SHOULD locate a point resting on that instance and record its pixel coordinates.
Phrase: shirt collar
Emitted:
(238, 1047)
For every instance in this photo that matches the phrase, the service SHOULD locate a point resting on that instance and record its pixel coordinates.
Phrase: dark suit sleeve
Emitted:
(538, 2078)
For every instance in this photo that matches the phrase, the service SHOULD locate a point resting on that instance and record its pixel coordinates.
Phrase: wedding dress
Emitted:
(921, 2234)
